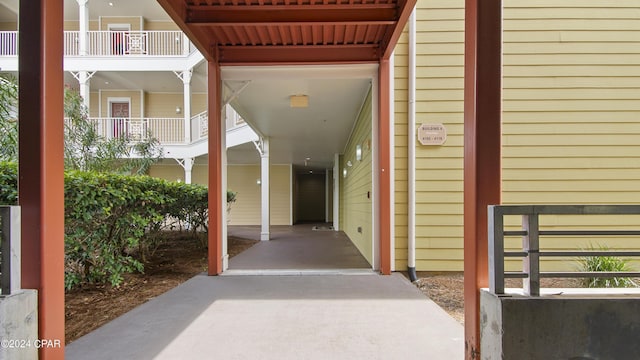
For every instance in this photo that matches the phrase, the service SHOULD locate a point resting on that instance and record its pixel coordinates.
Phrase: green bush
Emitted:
(112, 221)
(605, 263)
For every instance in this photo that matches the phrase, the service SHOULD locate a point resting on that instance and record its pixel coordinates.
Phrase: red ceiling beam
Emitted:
(389, 40)
(292, 14)
(242, 55)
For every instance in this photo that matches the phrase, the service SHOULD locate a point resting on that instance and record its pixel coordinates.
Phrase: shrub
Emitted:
(605, 263)
(112, 221)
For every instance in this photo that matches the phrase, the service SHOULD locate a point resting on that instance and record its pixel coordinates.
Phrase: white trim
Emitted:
(375, 168)
(118, 27)
(336, 192)
(225, 240)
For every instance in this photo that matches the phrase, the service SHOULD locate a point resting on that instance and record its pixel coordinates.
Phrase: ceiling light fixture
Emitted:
(298, 101)
(110, 3)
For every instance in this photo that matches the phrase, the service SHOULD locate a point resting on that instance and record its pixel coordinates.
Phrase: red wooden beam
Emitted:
(215, 170)
(482, 150)
(292, 14)
(390, 39)
(384, 163)
(41, 164)
(242, 55)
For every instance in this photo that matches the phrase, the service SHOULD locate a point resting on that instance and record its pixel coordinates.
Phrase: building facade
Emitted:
(571, 111)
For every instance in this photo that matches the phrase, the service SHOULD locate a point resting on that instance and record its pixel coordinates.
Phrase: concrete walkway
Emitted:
(297, 247)
(280, 317)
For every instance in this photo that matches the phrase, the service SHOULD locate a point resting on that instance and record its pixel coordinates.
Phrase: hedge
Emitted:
(112, 221)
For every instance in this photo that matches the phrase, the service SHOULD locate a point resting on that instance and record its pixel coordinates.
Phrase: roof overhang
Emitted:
(252, 32)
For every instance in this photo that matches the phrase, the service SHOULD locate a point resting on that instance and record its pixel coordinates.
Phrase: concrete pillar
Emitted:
(188, 167)
(482, 156)
(83, 11)
(186, 110)
(217, 204)
(41, 164)
(264, 190)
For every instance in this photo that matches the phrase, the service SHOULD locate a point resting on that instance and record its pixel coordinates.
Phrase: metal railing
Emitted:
(200, 126)
(113, 43)
(531, 234)
(10, 249)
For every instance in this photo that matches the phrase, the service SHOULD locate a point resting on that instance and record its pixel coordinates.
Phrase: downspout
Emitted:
(411, 151)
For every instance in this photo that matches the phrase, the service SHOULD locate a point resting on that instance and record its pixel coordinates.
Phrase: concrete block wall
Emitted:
(555, 327)
(19, 325)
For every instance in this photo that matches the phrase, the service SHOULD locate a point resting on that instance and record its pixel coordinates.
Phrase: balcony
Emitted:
(113, 43)
(170, 132)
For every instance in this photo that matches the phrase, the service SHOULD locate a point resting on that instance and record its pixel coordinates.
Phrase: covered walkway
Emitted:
(280, 317)
(297, 249)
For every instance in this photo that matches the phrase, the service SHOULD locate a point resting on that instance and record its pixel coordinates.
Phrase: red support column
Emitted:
(41, 165)
(384, 163)
(215, 170)
(482, 150)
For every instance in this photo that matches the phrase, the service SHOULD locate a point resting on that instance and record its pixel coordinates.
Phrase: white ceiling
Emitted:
(318, 132)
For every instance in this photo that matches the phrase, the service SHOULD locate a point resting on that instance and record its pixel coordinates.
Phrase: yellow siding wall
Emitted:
(171, 172)
(439, 99)
(572, 108)
(198, 103)
(163, 104)
(355, 209)
(160, 25)
(571, 111)
(246, 209)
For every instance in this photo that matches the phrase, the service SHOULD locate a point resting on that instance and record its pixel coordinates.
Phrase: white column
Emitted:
(337, 173)
(264, 181)
(188, 169)
(83, 11)
(225, 215)
(327, 180)
(186, 80)
(85, 87)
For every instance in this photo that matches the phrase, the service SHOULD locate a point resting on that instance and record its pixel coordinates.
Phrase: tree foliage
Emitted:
(84, 147)
(87, 150)
(8, 118)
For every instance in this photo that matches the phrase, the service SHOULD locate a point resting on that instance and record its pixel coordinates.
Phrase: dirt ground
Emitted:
(176, 261)
(447, 289)
(181, 258)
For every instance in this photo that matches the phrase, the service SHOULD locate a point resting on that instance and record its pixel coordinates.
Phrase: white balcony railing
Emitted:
(166, 130)
(112, 43)
(8, 43)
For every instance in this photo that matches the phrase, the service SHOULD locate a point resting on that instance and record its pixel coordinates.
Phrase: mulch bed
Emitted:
(176, 261)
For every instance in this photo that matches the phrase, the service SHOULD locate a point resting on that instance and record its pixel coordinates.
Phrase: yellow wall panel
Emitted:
(356, 205)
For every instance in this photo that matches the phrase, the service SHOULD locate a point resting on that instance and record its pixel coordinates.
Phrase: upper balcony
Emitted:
(105, 50)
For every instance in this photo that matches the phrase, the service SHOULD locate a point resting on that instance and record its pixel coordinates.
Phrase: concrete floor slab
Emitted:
(280, 317)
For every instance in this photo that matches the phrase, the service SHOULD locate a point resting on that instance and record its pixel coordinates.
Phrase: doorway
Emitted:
(119, 112)
(310, 197)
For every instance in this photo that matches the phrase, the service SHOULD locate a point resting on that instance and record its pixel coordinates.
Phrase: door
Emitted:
(118, 38)
(310, 198)
(120, 116)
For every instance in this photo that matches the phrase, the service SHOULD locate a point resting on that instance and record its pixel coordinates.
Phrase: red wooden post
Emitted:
(482, 150)
(41, 164)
